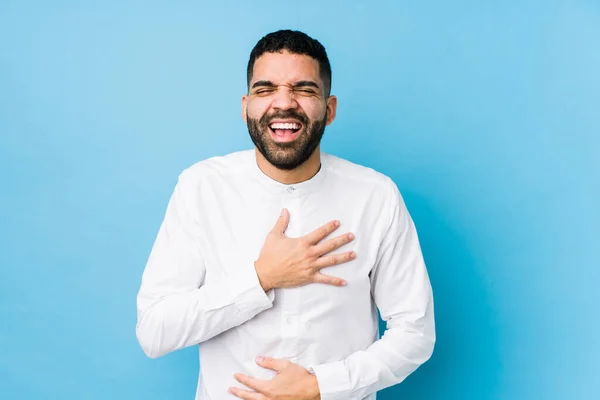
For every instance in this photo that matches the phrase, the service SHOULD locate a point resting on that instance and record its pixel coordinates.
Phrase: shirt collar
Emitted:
(307, 186)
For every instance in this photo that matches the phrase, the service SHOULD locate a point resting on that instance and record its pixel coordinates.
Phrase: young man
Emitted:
(276, 259)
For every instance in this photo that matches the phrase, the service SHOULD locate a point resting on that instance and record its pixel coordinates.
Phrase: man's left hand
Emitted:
(292, 382)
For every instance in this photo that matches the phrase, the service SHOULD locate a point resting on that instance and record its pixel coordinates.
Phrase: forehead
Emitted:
(285, 67)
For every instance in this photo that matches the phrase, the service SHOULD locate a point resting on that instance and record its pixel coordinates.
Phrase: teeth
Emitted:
(280, 125)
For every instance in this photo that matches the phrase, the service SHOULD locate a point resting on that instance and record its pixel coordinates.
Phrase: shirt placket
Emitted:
(290, 318)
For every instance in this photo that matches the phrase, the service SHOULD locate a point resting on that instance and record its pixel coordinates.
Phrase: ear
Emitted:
(331, 109)
(244, 107)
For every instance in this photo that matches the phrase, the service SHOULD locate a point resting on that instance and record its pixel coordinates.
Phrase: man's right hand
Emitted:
(290, 262)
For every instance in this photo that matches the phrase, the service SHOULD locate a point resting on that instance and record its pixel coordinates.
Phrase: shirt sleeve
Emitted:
(402, 292)
(175, 306)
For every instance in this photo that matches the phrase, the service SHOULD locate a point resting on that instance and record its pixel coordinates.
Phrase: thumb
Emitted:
(282, 221)
(271, 363)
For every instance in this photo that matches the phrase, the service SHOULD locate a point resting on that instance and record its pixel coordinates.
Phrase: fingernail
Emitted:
(282, 211)
(344, 283)
(350, 236)
(337, 223)
(259, 359)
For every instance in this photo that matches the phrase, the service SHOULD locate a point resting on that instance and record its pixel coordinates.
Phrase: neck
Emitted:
(299, 174)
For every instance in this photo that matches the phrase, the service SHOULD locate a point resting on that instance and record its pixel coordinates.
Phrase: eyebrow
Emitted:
(297, 84)
(306, 83)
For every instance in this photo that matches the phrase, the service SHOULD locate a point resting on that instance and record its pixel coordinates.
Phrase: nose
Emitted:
(284, 99)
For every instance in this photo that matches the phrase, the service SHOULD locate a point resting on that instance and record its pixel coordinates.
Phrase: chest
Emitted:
(234, 224)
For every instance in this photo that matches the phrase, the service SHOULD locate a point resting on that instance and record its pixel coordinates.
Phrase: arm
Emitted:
(402, 292)
(176, 308)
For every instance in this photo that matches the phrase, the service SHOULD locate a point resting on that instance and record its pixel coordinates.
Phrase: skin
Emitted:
(288, 86)
(290, 75)
(292, 382)
(291, 262)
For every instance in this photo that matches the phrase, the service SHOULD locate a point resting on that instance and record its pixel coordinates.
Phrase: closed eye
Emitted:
(264, 91)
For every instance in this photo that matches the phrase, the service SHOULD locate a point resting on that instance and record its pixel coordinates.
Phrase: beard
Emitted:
(286, 155)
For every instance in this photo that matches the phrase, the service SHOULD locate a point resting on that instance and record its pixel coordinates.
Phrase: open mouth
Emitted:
(285, 131)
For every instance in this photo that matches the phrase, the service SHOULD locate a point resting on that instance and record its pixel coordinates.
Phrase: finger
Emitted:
(329, 280)
(328, 261)
(252, 383)
(332, 244)
(282, 222)
(320, 233)
(247, 395)
(275, 364)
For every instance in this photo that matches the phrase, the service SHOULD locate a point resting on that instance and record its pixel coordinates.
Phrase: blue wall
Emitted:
(486, 114)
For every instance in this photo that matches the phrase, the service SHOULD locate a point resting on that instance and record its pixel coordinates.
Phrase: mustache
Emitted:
(265, 119)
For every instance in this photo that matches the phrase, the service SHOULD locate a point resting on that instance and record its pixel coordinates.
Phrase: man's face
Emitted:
(286, 109)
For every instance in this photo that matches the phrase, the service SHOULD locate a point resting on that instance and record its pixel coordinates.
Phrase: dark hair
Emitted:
(295, 42)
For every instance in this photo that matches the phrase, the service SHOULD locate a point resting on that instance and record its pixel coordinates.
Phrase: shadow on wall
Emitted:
(465, 363)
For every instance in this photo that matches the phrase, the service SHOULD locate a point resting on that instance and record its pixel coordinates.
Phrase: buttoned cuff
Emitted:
(247, 293)
(333, 379)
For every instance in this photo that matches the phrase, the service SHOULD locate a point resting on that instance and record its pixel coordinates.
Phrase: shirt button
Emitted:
(290, 189)
(288, 320)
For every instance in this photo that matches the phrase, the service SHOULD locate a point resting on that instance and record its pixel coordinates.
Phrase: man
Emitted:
(284, 304)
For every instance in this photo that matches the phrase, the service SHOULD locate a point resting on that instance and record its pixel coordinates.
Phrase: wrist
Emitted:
(315, 393)
(263, 282)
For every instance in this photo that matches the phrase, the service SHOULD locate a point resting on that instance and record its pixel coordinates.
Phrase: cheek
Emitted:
(256, 109)
(314, 111)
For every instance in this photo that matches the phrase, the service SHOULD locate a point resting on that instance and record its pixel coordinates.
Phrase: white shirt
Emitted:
(200, 285)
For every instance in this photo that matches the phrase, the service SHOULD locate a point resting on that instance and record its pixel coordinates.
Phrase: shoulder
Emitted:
(383, 192)
(217, 167)
(360, 176)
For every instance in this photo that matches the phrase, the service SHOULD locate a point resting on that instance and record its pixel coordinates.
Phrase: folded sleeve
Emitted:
(175, 306)
(402, 292)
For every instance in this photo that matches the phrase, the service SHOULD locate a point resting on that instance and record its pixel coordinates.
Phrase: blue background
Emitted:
(486, 114)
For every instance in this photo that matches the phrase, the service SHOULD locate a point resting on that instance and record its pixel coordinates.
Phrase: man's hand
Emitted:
(291, 262)
(292, 382)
